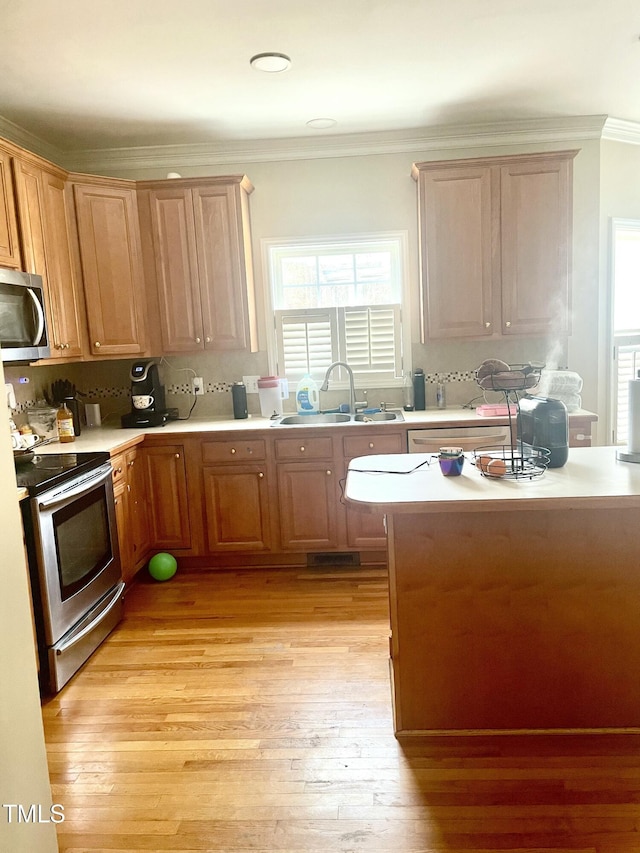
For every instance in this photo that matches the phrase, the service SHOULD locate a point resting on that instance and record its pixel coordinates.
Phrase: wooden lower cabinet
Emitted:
(130, 496)
(367, 530)
(308, 506)
(167, 504)
(236, 508)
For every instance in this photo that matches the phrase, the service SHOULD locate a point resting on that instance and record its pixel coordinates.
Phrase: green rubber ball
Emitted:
(162, 567)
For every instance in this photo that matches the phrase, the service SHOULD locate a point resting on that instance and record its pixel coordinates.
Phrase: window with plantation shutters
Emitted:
(339, 300)
(625, 276)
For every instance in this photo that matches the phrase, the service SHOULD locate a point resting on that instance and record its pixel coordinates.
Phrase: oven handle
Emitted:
(85, 486)
(486, 439)
(40, 315)
(117, 595)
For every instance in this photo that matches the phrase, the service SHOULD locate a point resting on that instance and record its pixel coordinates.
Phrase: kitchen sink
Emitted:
(337, 418)
(378, 416)
(308, 420)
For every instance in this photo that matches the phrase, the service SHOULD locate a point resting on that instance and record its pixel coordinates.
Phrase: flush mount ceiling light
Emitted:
(272, 63)
(321, 123)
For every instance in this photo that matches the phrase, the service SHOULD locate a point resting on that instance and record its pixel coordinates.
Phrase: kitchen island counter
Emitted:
(515, 605)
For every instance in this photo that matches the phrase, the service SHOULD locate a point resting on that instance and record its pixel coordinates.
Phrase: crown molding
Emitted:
(19, 136)
(174, 157)
(620, 130)
(415, 141)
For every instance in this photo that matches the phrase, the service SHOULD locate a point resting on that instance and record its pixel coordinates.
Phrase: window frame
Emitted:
(401, 237)
(627, 341)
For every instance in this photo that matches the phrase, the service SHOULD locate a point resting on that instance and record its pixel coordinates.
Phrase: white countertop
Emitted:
(112, 438)
(592, 477)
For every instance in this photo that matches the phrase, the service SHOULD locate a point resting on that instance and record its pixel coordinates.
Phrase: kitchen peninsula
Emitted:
(515, 604)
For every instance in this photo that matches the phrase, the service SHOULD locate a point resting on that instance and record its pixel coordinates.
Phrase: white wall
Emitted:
(23, 767)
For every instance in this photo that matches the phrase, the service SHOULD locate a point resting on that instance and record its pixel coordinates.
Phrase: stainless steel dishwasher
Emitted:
(431, 439)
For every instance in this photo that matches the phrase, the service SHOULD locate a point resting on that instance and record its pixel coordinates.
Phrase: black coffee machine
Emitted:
(148, 407)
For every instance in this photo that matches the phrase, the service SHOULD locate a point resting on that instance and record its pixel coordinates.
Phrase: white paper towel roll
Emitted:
(634, 415)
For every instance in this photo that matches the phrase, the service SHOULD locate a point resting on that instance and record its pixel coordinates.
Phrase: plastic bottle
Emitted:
(307, 396)
(419, 389)
(64, 419)
(407, 392)
(441, 395)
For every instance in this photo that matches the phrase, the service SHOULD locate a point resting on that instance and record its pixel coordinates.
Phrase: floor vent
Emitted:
(349, 558)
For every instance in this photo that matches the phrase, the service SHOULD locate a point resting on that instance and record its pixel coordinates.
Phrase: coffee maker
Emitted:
(148, 407)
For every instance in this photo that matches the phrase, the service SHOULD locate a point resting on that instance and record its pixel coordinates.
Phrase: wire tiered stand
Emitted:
(517, 460)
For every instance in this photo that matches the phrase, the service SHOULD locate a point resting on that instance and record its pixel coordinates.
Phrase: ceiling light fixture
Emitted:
(272, 63)
(321, 123)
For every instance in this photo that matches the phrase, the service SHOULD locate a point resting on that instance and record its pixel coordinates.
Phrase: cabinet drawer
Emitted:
(362, 445)
(233, 451)
(118, 469)
(304, 447)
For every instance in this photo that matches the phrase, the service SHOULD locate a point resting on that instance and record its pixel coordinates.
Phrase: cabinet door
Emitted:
(308, 502)
(166, 489)
(9, 246)
(221, 267)
(365, 530)
(121, 500)
(536, 239)
(176, 269)
(111, 267)
(137, 509)
(236, 506)
(66, 307)
(457, 228)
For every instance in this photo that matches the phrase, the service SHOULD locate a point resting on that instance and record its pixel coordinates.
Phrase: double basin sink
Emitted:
(338, 418)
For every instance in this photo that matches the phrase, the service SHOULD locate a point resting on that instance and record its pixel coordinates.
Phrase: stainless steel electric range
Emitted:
(74, 560)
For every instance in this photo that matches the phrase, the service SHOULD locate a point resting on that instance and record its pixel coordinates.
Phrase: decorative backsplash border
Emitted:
(102, 394)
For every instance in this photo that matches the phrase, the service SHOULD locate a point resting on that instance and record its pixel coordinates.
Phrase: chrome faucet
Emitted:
(353, 405)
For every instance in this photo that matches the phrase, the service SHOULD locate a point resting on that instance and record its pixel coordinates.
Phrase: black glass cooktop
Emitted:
(51, 469)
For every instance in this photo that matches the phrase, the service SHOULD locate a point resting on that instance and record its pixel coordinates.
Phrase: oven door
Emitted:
(77, 549)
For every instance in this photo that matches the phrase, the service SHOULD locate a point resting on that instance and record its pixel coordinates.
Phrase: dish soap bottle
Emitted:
(64, 419)
(307, 396)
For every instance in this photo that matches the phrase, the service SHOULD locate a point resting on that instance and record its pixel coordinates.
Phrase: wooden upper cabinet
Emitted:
(536, 230)
(109, 239)
(495, 245)
(46, 250)
(202, 262)
(9, 246)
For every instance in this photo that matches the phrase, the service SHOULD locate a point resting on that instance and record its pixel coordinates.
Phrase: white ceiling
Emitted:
(84, 75)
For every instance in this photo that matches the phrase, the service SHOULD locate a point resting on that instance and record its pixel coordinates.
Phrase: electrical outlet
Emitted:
(251, 384)
(197, 385)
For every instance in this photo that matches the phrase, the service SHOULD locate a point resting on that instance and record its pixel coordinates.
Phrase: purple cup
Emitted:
(451, 466)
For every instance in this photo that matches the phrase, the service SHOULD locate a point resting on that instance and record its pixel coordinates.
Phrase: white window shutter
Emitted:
(628, 357)
(372, 339)
(306, 341)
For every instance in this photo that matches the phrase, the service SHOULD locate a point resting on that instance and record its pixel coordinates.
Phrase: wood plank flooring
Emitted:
(250, 711)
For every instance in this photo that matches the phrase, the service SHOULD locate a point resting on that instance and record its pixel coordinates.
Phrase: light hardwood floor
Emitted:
(250, 711)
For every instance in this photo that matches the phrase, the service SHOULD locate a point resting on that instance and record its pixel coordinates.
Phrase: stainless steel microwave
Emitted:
(23, 323)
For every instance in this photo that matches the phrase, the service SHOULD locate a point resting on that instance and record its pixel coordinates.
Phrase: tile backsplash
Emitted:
(108, 383)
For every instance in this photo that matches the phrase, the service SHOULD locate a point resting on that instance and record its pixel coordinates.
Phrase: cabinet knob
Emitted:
(131, 463)
(328, 472)
(177, 456)
(207, 340)
(198, 340)
(371, 445)
(302, 449)
(120, 470)
(508, 323)
(128, 487)
(487, 325)
(233, 450)
(97, 344)
(261, 475)
(66, 346)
